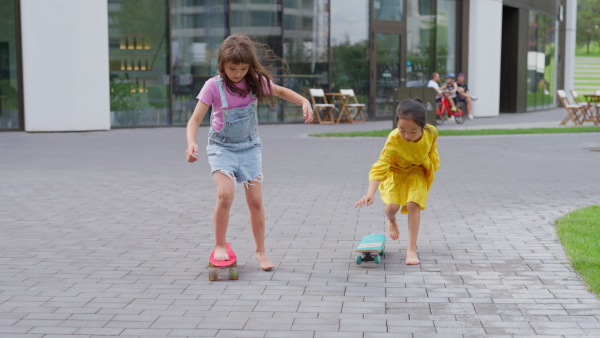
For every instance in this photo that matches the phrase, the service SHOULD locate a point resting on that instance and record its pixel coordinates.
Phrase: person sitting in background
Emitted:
(464, 95)
(449, 90)
(433, 83)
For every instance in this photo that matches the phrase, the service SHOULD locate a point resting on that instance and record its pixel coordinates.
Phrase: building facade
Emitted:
(69, 65)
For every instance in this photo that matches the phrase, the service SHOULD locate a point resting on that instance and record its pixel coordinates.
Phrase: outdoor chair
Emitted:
(357, 107)
(323, 111)
(573, 110)
(586, 109)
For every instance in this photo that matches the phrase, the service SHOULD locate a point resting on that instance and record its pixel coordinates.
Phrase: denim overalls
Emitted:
(236, 149)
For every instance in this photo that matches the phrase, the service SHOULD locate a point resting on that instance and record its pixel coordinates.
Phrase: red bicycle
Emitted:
(444, 111)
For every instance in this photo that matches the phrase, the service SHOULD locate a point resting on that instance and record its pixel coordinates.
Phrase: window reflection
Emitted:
(138, 53)
(387, 50)
(305, 47)
(9, 95)
(446, 34)
(541, 61)
(198, 28)
(420, 42)
(349, 47)
(391, 10)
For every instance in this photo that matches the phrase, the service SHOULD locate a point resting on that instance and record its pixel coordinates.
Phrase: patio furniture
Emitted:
(573, 110)
(587, 111)
(594, 106)
(333, 97)
(357, 107)
(323, 108)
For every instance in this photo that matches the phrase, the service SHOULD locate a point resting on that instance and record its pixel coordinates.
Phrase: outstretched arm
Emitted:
(292, 96)
(368, 199)
(192, 131)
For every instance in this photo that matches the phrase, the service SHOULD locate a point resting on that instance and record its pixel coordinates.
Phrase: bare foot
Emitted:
(221, 253)
(264, 261)
(412, 258)
(393, 231)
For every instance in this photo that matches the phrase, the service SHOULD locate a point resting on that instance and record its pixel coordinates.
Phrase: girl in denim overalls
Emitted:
(234, 147)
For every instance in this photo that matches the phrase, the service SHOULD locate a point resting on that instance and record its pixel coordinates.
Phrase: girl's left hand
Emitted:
(307, 112)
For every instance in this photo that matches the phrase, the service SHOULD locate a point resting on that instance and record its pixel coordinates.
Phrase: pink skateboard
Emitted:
(230, 265)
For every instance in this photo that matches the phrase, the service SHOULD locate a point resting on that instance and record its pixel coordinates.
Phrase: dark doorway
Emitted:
(509, 59)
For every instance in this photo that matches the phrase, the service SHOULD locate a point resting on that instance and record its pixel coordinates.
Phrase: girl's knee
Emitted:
(413, 207)
(391, 208)
(224, 198)
(255, 204)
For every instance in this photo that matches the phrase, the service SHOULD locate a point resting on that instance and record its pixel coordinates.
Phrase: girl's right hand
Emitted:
(192, 153)
(365, 201)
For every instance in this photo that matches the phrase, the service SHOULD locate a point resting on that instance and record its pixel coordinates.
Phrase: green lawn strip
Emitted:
(579, 232)
(385, 132)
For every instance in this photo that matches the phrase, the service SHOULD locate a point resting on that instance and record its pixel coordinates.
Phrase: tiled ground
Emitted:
(108, 234)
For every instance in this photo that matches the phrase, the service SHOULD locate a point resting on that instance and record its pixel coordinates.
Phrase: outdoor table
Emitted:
(593, 101)
(344, 109)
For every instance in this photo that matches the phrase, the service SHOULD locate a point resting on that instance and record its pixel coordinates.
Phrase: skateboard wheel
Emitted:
(377, 259)
(358, 260)
(213, 275)
(382, 253)
(233, 274)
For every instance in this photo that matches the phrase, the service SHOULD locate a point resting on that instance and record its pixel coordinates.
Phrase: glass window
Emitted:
(387, 72)
(9, 81)
(197, 31)
(446, 36)
(549, 28)
(420, 42)
(261, 20)
(305, 48)
(541, 65)
(391, 10)
(139, 69)
(349, 47)
(532, 60)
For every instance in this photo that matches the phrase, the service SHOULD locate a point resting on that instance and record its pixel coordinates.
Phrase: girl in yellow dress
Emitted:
(404, 172)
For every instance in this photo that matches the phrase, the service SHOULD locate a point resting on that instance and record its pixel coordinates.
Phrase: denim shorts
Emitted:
(240, 161)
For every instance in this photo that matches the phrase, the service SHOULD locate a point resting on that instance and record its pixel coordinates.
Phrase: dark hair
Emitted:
(239, 49)
(412, 109)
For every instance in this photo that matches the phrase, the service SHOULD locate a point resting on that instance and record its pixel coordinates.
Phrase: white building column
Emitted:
(485, 47)
(570, 22)
(65, 65)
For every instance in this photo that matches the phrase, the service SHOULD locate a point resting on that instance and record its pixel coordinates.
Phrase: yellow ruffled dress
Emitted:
(406, 169)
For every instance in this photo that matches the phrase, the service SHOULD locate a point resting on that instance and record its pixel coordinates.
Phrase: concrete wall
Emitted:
(65, 65)
(485, 45)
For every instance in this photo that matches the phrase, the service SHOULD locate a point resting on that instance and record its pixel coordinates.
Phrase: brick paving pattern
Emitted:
(109, 233)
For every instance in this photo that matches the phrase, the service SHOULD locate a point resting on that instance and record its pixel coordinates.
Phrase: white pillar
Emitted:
(570, 22)
(65, 65)
(485, 47)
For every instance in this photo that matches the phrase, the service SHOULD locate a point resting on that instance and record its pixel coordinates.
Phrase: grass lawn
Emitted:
(579, 232)
(581, 50)
(385, 132)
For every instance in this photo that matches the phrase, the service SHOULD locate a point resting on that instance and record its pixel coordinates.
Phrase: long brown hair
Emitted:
(240, 49)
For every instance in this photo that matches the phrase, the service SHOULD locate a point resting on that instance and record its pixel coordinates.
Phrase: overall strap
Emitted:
(221, 86)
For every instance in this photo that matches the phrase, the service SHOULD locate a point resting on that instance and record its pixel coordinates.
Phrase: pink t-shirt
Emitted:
(211, 97)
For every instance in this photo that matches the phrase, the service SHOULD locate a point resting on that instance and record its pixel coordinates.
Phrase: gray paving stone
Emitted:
(117, 244)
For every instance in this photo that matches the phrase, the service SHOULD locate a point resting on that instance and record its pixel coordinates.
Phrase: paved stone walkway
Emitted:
(108, 234)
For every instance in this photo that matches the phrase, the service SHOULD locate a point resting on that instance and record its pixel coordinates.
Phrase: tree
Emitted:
(588, 22)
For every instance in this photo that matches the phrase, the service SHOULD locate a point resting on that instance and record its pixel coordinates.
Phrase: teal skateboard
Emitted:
(372, 247)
